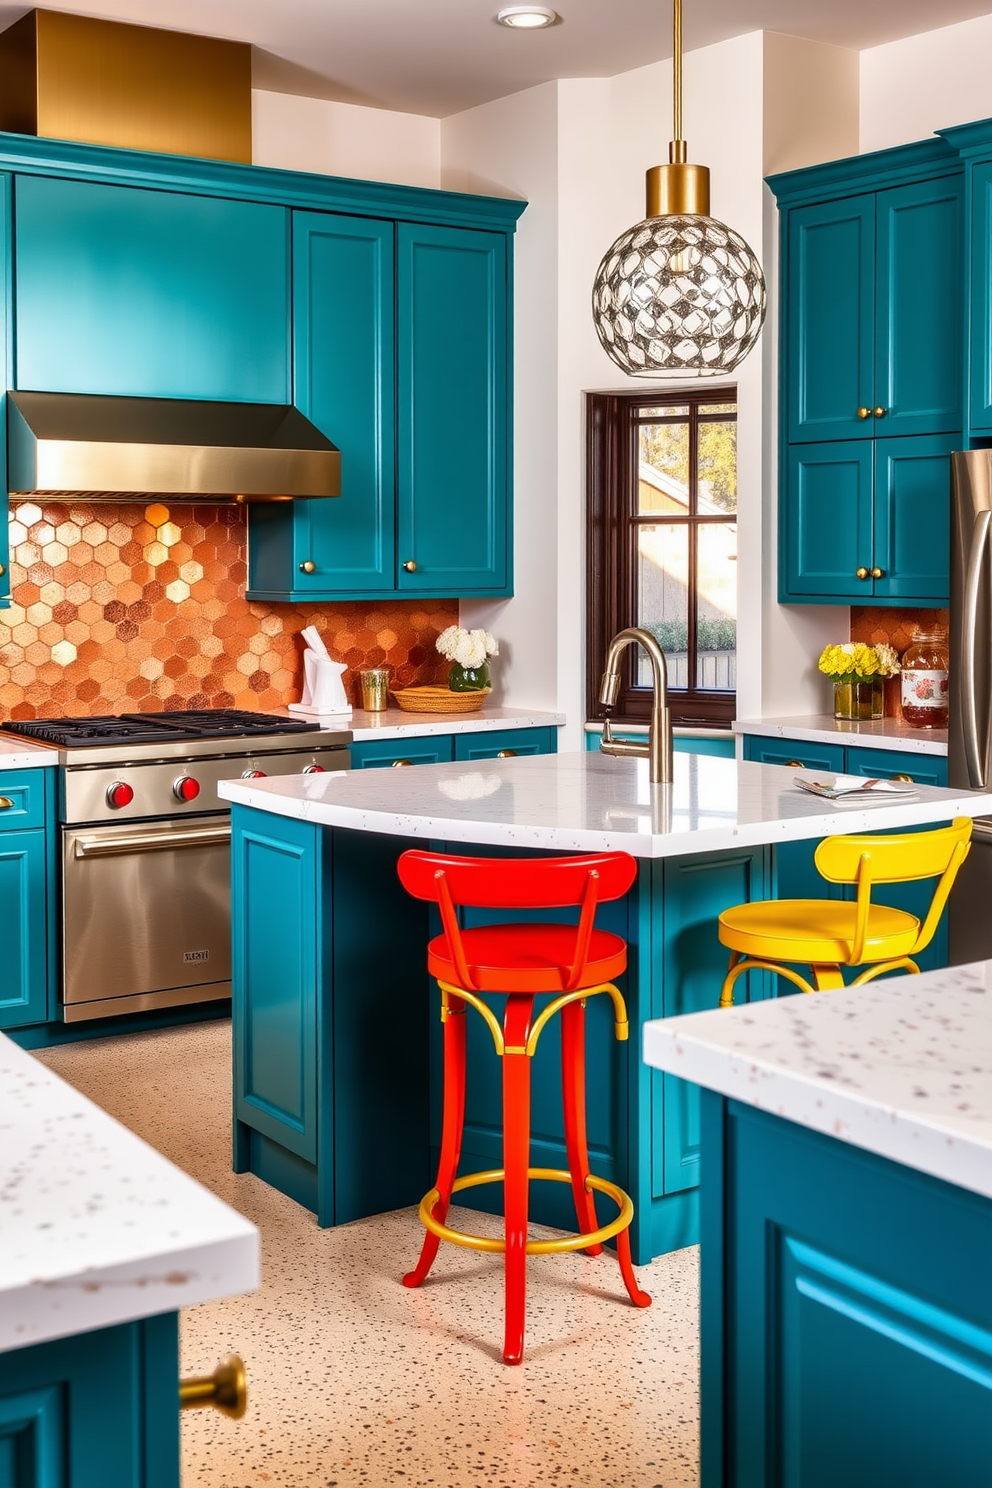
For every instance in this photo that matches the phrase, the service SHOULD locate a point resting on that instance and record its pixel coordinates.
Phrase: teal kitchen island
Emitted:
(336, 1026)
(846, 1233)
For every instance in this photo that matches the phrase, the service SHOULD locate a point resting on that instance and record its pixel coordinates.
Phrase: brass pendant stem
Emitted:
(678, 189)
(677, 72)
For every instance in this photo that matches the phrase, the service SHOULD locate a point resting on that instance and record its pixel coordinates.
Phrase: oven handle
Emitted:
(106, 847)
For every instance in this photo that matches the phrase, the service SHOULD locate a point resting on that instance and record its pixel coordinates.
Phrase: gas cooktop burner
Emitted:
(154, 728)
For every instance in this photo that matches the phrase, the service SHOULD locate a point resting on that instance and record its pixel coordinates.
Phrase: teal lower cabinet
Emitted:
(846, 1314)
(95, 1410)
(796, 875)
(722, 748)
(376, 754)
(27, 874)
(433, 749)
(336, 1031)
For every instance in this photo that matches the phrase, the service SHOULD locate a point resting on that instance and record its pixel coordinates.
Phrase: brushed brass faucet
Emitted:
(658, 749)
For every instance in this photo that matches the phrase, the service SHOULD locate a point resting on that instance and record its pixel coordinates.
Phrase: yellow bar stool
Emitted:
(828, 934)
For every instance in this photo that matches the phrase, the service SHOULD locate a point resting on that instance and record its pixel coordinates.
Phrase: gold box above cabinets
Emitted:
(72, 77)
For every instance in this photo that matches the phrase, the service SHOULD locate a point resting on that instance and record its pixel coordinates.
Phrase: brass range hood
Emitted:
(117, 449)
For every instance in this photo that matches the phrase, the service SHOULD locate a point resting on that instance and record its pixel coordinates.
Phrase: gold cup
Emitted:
(375, 688)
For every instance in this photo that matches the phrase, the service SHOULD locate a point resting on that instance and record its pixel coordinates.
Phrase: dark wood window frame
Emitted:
(612, 421)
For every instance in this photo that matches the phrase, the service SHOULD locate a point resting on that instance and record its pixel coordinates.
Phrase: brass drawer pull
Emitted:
(3, 569)
(396, 763)
(5, 803)
(226, 1390)
(906, 779)
(506, 754)
(308, 566)
(794, 765)
(410, 566)
(864, 412)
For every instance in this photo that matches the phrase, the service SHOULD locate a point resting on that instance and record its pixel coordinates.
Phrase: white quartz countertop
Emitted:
(590, 802)
(18, 754)
(823, 728)
(394, 723)
(901, 1067)
(95, 1226)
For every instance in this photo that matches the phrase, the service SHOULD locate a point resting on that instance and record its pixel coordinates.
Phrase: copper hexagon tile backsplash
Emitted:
(138, 608)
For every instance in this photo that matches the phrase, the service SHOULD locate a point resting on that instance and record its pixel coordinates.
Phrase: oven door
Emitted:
(146, 916)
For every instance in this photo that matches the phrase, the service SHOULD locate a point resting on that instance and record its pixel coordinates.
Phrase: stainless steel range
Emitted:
(145, 857)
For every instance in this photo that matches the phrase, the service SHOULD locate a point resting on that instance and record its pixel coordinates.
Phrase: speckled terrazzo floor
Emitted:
(355, 1382)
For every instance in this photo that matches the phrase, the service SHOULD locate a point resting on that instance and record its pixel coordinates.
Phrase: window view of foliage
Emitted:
(718, 634)
(664, 446)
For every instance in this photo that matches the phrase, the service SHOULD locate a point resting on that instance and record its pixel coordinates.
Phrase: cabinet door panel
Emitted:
(154, 293)
(980, 286)
(912, 517)
(830, 319)
(452, 381)
(343, 370)
(23, 915)
(919, 311)
(828, 521)
(6, 353)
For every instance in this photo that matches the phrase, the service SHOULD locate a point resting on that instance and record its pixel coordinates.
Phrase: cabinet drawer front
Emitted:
(794, 751)
(505, 741)
(374, 755)
(886, 764)
(25, 790)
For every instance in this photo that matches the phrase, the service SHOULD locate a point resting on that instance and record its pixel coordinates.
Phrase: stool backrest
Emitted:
(900, 858)
(517, 883)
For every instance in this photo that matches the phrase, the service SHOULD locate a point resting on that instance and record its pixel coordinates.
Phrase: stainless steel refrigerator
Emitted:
(970, 721)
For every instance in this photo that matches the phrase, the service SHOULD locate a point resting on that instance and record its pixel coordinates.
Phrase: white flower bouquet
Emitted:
(469, 652)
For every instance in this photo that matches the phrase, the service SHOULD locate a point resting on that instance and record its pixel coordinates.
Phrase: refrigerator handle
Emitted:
(975, 750)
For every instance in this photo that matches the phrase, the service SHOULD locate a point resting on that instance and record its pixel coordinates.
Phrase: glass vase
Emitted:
(859, 701)
(468, 679)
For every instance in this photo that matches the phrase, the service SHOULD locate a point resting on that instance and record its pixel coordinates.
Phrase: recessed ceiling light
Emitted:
(527, 17)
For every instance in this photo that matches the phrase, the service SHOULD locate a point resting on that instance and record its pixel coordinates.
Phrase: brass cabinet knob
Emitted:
(861, 573)
(398, 763)
(226, 1390)
(308, 566)
(794, 765)
(3, 569)
(878, 573)
(410, 566)
(5, 803)
(864, 412)
(879, 412)
(906, 779)
(506, 754)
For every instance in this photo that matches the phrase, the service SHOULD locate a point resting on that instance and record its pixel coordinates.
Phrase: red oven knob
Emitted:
(313, 769)
(186, 788)
(253, 775)
(119, 794)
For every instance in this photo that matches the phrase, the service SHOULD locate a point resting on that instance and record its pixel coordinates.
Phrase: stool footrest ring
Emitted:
(534, 1247)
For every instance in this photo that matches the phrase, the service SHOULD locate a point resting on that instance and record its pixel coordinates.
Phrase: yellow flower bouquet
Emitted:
(857, 671)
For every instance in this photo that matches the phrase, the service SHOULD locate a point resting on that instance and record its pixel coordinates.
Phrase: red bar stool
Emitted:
(521, 961)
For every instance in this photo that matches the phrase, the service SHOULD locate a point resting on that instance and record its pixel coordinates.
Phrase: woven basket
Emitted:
(440, 700)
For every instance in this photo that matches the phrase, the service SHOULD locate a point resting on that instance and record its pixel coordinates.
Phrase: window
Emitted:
(662, 552)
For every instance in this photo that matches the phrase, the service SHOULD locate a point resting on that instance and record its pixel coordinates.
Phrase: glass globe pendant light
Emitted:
(679, 294)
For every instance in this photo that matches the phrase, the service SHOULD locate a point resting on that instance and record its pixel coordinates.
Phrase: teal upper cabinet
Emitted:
(126, 290)
(453, 410)
(401, 357)
(343, 332)
(871, 375)
(874, 334)
(973, 144)
(6, 343)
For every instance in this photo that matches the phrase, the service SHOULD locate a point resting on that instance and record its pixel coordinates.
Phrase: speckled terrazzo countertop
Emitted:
(18, 754)
(588, 802)
(823, 728)
(902, 1068)
(96, 1227)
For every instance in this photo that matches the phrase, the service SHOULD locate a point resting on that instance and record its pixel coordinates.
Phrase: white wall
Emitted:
(344, 139)
(910, 88)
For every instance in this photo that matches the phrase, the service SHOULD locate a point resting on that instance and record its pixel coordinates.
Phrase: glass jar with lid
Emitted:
(924, 680)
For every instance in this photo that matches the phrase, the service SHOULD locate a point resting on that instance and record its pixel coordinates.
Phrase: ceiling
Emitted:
(438, 57)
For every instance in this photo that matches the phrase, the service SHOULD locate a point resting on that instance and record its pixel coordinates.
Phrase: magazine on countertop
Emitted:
(852, 787)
